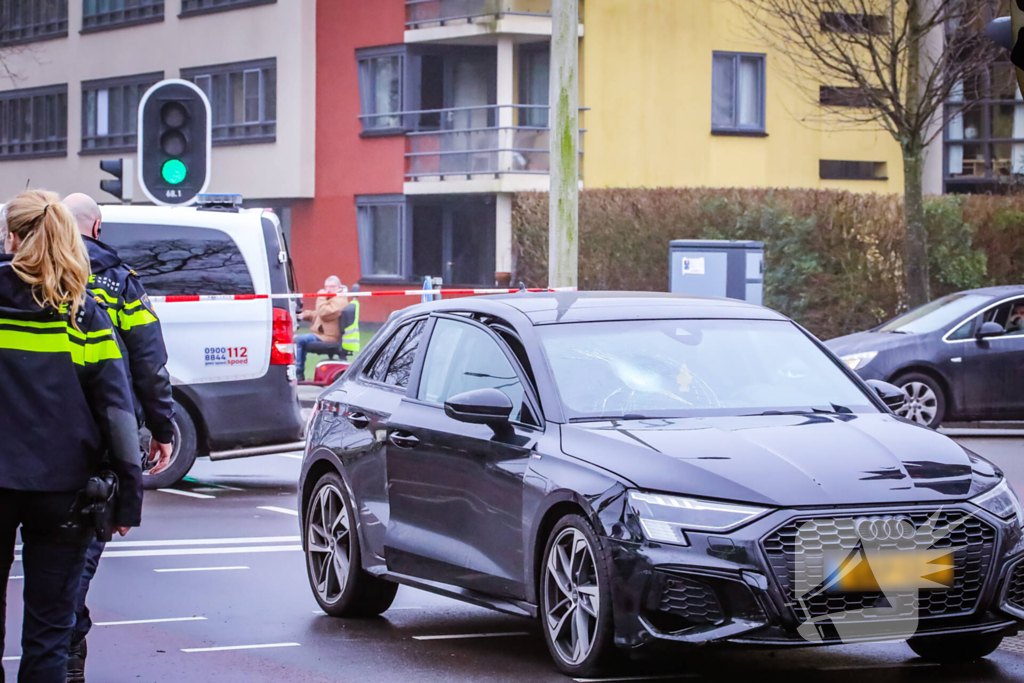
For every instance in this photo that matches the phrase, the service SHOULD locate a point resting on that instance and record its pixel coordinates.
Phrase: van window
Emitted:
(173, 259)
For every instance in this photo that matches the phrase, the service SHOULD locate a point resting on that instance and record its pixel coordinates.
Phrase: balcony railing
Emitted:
(489, 140)
(420, 12)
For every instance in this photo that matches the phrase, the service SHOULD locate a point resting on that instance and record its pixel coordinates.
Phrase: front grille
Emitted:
(811, 538)
(1015, 591)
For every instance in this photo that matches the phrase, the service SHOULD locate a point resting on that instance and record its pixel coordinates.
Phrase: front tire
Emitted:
(955, 648)
(185, 444)
(576, 603)
(926, 401)
(340, 585)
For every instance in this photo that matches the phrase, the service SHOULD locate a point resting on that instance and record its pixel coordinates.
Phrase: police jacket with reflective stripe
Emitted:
(65, 401)
(139, 331)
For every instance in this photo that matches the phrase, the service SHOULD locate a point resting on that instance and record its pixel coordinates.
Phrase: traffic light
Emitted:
(1006, 32)
(174, 142)
(122, 184)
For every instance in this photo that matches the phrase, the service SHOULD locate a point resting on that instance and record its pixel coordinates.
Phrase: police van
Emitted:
(231, 362)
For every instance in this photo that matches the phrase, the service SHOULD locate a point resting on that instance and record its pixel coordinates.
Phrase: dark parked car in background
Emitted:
(638, 470)
(959, 358)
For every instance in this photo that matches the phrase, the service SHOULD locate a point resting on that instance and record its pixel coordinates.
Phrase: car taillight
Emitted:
(282, 343)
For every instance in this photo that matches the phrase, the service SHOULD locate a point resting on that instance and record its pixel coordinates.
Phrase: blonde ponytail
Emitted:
(51, 255)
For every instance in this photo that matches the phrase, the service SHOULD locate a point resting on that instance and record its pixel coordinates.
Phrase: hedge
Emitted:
(833, 260)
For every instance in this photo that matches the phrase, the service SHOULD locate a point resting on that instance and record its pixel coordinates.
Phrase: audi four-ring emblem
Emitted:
(884, 528)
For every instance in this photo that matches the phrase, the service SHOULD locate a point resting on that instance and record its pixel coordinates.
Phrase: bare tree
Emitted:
(891, 64)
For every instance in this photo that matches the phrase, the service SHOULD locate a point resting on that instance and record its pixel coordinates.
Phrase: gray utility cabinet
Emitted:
(729, 268)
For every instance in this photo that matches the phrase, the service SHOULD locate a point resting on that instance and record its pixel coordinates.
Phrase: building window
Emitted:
(534, 83)
(380, 89)
(832, 169)
(381, 225)
(737, 93)
(110, 112)
(34, 123)
(843, 22)
(243, 97)
(99, 15)
(984, 140)
(837, 96)
(26, 21)
(193, 7)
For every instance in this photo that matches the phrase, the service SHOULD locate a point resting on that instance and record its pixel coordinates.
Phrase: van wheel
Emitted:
(340, 585)
(182, 457)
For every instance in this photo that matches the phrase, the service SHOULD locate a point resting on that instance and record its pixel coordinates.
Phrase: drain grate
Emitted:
(1014, 644)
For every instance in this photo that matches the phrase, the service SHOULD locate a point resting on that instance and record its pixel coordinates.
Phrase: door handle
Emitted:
(403, 440)
(359, 420)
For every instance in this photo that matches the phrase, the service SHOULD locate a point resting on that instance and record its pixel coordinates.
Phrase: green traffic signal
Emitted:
(174, 171)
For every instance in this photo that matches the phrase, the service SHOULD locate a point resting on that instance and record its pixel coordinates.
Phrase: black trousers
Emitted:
(52, 564)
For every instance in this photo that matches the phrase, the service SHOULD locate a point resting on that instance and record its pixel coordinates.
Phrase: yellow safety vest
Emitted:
(350, 338)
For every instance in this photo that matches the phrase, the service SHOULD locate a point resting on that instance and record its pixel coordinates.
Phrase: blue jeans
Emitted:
(52, 563)
(300, 351)
(83, 624)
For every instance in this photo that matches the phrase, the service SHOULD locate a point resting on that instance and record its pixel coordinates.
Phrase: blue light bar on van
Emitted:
(219, 200)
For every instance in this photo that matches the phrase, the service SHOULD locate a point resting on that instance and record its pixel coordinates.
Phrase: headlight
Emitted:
(664, 518)
(859, 360)
(1001, 501)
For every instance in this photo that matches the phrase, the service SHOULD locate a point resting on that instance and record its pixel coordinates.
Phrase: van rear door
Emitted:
(207, 254)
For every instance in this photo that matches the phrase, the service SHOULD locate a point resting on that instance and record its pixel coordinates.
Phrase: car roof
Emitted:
(177, 215)
(546, 308)
(997, 292)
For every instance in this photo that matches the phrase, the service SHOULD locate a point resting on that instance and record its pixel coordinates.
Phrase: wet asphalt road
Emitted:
(219, 570)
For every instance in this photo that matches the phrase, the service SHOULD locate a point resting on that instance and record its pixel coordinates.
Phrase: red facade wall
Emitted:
(324, 236)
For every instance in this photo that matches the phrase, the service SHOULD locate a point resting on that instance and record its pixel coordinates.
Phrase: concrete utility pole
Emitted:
(563, 226)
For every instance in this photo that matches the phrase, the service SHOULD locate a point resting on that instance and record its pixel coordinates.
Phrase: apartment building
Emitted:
(75, 70)
(432, 115)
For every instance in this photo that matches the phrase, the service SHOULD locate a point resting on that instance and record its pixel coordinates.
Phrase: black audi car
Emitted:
(637, 470)
(959, 358)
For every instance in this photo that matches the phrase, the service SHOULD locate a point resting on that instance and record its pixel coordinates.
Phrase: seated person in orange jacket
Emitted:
(325, 319)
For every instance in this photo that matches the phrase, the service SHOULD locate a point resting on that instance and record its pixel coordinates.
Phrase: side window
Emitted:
(378, 369)
(964, 331)
(462, 357)
(401, 366)
(174, 259)
(1015, 319)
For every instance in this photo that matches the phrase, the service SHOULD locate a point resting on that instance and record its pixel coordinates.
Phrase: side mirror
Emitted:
(990, 329)
(480, 406)
(891, 395)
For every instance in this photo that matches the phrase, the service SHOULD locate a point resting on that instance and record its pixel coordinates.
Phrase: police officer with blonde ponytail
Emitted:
(67, 414)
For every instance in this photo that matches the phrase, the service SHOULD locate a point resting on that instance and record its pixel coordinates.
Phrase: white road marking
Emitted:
(207, 489)
(460, 636)
(659, 677)
(186, 493)
(205, 541)
(175, 552)
(12, 659)
(283, 511)
(198, 569)
(224, 487)
(148, 621)
(289, 455)
(15, 578)
(239, 647)
(855, 667)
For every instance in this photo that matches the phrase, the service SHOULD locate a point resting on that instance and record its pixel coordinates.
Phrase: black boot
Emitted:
(76, 662)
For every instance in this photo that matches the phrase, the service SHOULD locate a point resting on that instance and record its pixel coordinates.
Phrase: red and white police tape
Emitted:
(179, 298)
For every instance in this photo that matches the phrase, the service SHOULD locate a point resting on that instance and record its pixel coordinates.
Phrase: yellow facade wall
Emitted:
(646, 75)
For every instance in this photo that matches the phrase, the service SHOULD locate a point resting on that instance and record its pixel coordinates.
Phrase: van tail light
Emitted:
(282, 345)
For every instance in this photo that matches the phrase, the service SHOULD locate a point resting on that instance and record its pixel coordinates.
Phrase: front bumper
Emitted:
(725, 589)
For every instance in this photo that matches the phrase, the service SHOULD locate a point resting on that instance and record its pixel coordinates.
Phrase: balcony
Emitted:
(491, 148)
(476, 21)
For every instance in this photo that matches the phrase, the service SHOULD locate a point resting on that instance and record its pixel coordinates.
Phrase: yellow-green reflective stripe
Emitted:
(137, 319)
(16, 340)
(134, 304)
(98, 334)
(113, 316)
(100, 292)
(29, 323)
(94, 352)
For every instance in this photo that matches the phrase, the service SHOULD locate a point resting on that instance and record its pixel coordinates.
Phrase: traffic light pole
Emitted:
(563, 225)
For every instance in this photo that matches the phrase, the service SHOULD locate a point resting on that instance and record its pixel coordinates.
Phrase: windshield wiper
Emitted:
(609, 418)
(834, 409)
(897, 331)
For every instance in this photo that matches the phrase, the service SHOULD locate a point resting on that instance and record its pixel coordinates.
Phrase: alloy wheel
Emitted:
(327, 543)
(922, 403)
(146, 438)
(572, 596)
